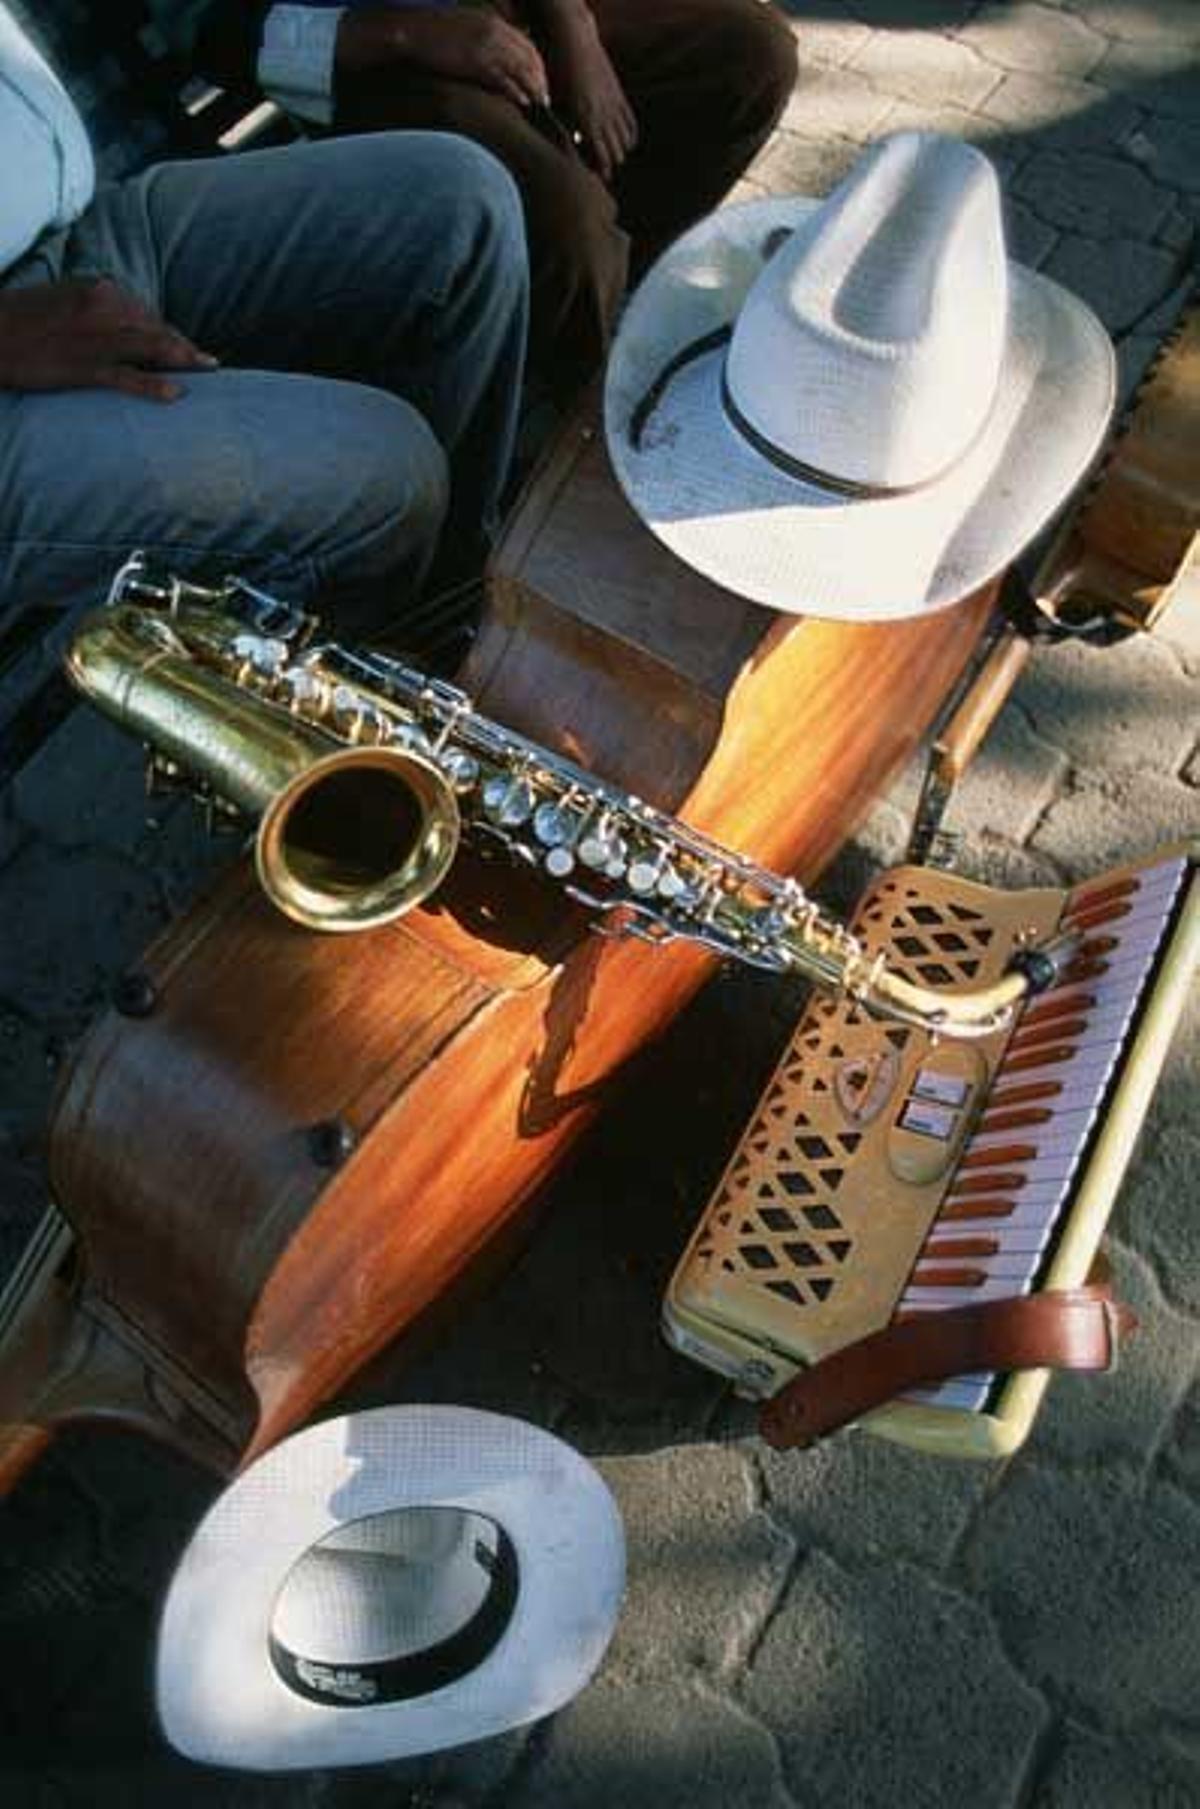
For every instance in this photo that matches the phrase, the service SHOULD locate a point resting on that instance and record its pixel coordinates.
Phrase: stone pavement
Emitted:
(851, 1629)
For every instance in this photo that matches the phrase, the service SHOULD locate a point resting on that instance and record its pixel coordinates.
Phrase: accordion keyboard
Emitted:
(1017, 1175)
(885, 1174)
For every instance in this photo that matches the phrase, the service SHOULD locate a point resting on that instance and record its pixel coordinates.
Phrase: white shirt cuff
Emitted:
(295, 59)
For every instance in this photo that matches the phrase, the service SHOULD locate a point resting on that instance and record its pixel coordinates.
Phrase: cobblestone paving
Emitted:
(853, 1629)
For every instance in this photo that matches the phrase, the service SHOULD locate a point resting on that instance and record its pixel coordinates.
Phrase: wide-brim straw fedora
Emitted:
(859, 407)
(389, 1583)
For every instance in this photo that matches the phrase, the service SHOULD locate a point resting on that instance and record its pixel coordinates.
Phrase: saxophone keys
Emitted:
(604, 852)
(559, 863)
(644, 875)
(674, 888)
(553, 826)
(348, 711)
(520, 804)
(408, 736)
(508, 802)
(461, 768)
(302, 689)
(164, 776)
(260, 654)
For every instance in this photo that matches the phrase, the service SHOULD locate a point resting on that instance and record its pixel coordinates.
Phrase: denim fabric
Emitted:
(42, 137)
(367, 299)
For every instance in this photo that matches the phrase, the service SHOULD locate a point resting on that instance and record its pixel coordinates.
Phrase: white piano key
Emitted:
(1049, 1167)
(1033, 1237)
(1018, 1266)
(1125, 970)
(1154, 885)
(1097, 1062)
(1026, 1216)
(1023, 1225)
(1152, 882)
(1138, 930)
(1107, 1026)
(1064, 1131)
(993, 1287)
(1106, 1020)
(1082, 1083)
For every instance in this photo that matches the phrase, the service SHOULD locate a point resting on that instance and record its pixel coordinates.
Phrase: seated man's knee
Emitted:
(575, 239)
(775, 50)
(465, 187)
(753, 51)
(386, 462)
(411, 475)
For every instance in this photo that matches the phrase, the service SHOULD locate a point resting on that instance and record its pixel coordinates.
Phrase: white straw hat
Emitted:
(858, 407)
(386, 1584)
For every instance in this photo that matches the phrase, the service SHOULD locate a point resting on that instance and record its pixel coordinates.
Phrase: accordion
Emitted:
(887, 1175)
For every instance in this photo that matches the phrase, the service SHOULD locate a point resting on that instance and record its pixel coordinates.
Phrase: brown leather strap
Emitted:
(1071, 1328)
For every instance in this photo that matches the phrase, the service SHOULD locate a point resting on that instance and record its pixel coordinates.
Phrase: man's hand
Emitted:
(87, 333)
(586, 88)
(466, 44)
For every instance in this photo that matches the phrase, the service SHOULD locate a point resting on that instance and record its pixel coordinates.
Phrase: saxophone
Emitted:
(364, 773)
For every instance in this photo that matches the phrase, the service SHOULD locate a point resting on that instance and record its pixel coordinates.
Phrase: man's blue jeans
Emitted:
(367, 299)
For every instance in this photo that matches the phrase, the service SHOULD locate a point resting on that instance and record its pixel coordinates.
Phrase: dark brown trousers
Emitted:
(707, 80)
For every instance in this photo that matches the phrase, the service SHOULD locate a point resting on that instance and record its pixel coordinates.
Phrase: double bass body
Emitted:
(289, 1145)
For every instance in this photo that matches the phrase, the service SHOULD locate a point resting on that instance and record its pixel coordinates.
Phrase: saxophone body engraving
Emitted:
(364, 772)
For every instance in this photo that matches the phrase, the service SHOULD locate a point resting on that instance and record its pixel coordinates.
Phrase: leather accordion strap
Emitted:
(1068, 1328)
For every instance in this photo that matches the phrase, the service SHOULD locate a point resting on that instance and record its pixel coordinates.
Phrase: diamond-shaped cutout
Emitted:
(815, 1148)
(757, 1256)
(795, 1183)
(776, 1219)
(821, 1287)
(788, 1291)
(803, 1255)
(821, 1219)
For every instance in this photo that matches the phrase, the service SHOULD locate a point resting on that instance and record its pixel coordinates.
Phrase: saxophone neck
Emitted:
(977, 1012)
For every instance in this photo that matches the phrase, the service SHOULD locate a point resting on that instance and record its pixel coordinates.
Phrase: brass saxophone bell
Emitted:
(357, 838)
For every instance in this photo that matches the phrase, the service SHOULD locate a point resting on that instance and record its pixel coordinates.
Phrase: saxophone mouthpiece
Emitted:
(1045, 964)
